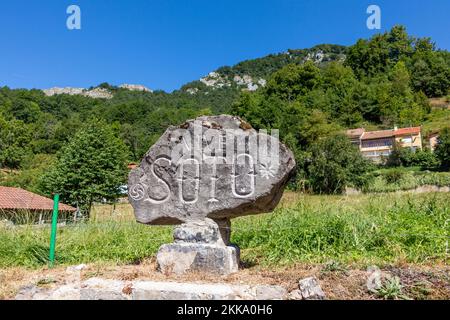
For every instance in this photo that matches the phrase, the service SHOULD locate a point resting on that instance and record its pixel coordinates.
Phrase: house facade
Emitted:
(376, 145)
(433, 140)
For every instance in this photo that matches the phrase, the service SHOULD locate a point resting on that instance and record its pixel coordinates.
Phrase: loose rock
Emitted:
(310, 289)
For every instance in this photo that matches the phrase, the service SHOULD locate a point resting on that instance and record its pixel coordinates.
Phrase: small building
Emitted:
(21, 206)
(376, 145)
(433, 140)
(355, 136)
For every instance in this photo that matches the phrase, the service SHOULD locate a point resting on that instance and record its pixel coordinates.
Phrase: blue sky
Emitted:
(165, 43)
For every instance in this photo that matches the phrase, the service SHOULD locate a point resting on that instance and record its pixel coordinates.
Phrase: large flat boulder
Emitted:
(214, 167)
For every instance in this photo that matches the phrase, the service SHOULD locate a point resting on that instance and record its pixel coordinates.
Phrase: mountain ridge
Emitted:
(248, 75)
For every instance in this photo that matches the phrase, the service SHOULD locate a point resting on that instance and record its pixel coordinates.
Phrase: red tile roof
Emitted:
(403, 131)
(132, 165)
(368, 135)
(355, 133)
(19, 199)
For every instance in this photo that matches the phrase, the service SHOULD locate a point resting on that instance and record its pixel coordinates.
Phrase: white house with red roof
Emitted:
(375, 145)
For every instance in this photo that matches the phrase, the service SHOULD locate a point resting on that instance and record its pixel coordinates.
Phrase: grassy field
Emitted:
(358, 230)
(438, 119)
(400, 179)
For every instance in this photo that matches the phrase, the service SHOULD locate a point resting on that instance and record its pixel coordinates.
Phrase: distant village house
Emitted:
(433, 139)
(376, 145)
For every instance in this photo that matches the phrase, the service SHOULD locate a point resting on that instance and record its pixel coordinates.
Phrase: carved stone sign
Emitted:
(216, 167)
(201, 174)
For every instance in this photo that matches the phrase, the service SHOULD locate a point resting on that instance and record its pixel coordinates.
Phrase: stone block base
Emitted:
(179, 258)
(107, 289)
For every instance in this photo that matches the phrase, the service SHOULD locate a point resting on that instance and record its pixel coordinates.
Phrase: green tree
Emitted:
(335, 164)
(443, 148)
(380, 53)
(90, 167)
(294, 80)
(430, 72)
(15, 137)
(406, 157)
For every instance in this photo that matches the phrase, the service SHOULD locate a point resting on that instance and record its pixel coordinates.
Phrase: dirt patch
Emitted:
(419, 282)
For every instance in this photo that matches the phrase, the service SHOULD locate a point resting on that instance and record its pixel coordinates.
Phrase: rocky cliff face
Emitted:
(67, 90)
(96, 93)
(135, 87)
(215, 80)
(250, 75)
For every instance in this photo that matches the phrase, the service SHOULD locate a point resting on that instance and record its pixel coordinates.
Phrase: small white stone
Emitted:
(310, 289)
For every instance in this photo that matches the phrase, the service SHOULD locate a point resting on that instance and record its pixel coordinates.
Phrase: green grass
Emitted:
(438, 119)
(362, 229)
(391, 289)
(106, 241)
(409, 178)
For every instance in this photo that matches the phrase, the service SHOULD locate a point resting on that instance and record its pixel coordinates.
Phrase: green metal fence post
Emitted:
(53, 231)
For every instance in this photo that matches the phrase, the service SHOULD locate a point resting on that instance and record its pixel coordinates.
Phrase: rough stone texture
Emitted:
(216, 167)
(74, 272)
(246, 82)
(310, 289)
(135, 87)
(66, 292)
(199, 246)
(295, 295)
(201, 231)
(184, 291)
(267, 292)
(179, 258)
(99, 289)
(96, 93)
(103, 289)
(32, 292)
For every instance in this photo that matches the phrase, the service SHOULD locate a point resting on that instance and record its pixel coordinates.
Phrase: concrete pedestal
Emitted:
(199, 246)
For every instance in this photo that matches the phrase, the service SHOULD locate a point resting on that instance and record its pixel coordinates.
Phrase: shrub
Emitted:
(391, 288)
(393, 176)
(335, 164)
(407, 157)
(424, 159)
(443, 148)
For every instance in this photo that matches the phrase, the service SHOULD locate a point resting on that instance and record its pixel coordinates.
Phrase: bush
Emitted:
(393, 176)
(424, 159)
(443, 148)
(407, 157)
(335, 164)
